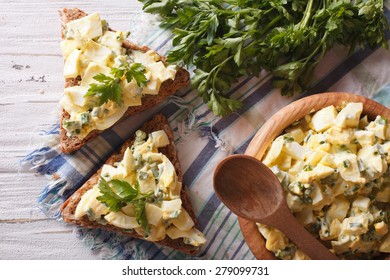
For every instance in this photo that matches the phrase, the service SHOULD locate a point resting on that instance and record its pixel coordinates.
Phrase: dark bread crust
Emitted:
(168, 88)
(159, 122)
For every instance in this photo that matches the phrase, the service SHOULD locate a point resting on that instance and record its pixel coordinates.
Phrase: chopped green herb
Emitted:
(158, 196)
(361, 165)
(142, 175)
(85, 118)
(370, 236)
(97, 112)
(71, 125)
(359, 225)
(288, 139)
(307, 167)
(307, 200)
(90, 214)
(175, 214)
(286, 253)
(346, 163)
(155, 172)
(344, 147)
(355, 188)
(307, 137)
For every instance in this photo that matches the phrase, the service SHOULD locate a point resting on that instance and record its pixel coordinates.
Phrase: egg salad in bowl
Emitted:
(334, 168)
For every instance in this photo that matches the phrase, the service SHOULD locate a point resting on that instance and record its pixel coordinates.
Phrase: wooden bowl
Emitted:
(276, 125)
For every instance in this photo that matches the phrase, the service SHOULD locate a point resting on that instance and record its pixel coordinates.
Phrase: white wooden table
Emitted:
(31, 84)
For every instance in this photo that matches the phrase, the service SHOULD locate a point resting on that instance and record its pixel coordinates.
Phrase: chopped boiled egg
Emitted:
(349, 116)
(88, 27)
(324, 119)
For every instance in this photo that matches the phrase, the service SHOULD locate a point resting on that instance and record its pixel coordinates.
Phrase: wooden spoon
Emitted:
(252, 191)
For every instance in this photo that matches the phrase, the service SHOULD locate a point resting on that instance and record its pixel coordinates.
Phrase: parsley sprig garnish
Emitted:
(110, 88)
(116, 194)
(226, 40)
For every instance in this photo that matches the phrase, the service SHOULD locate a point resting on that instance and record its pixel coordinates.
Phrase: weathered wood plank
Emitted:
(44, 239)
(31, 84)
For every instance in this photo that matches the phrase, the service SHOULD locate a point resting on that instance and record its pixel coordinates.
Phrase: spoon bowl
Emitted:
(239, 175)
(251, 191)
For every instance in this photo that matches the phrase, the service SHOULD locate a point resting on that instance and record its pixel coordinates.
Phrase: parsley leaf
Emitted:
(109, 197)
(110, 88)
(116, 194)
(124, 190)
(136, 72)
(226, 40)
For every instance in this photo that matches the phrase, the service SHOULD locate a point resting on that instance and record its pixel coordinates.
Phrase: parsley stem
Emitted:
(307, 14)
(218, 68)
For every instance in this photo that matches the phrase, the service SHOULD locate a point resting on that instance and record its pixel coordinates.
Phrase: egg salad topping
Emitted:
(111, 78)
(141, 193)
(334, 168)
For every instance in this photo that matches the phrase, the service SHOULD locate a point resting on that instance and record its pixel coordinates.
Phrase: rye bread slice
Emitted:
(159, 122)
(169, 87)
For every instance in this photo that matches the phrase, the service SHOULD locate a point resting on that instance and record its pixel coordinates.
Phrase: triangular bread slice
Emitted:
(169, 87)
(68, 209)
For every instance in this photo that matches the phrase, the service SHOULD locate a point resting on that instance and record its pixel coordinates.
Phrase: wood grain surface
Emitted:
(31, 84)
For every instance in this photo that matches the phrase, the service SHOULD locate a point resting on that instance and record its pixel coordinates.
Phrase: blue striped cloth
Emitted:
(202, 141)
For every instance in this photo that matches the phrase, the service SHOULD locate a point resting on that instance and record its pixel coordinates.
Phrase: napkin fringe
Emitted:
(109, 245)
(193, 123)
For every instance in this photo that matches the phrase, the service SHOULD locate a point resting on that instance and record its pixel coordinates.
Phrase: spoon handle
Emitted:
(300, 236)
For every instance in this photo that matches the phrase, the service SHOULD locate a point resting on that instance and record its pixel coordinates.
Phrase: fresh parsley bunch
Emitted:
(229, 39)
(110, 88)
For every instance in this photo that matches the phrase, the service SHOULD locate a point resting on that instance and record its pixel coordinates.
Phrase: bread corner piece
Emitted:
(68, 209)
(167, 88)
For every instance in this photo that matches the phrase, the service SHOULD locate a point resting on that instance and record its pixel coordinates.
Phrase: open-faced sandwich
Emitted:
(107, 77)
(139, 193)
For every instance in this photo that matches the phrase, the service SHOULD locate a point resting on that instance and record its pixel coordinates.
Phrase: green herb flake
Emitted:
(346, 163)
(90, 214)
(85, 118)
(307, 167)
(143, 175)
(358, 225)
(344, 147)
(288, 139)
